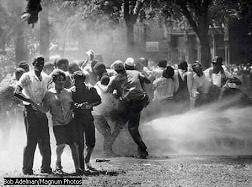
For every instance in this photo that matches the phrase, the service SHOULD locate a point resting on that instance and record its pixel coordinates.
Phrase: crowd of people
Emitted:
(88, 95)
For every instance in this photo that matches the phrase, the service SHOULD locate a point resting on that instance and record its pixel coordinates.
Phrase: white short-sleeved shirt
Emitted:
(33, 88)
(108, 101)
(164, 88)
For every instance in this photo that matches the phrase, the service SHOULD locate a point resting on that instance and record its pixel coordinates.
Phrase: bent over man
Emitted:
(127, 86)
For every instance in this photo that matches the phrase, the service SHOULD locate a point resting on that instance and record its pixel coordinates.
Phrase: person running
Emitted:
(84, 98)
(31, 89)
(127, 86)
(59, 102)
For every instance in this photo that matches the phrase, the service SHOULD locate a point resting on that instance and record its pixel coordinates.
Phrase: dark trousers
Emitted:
(37, 132)
(133, 113)
(85, 127)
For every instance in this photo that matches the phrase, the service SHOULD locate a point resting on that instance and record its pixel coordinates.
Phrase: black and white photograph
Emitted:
(126, 93)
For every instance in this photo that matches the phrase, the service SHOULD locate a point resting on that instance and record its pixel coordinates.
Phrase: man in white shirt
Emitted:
(31, 89)
(217, 74)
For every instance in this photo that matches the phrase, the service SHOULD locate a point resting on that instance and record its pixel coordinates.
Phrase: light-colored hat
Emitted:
(130, 62)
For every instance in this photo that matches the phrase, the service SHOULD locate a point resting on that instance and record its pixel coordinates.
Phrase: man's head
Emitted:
(19, 72)
(48, 68)
(130, 64)
(79, 78)
(183, 66)
(168, 72)
(59, 79)
(99, 69)
(105, 80)
(23, 64)
(162, 63)
(38, 63)
(233, 82)
(197, 68)
(62, 63)
(73, 67)
(217, 61)
(118, 66)
(143, 61)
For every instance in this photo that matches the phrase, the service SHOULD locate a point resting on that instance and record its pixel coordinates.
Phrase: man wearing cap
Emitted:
(84, 98)
(31, 89)
(126, 85)
(217, 74)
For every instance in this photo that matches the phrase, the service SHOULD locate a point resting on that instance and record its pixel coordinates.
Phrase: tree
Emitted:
(13, 28)
(128, 10)
(201, 15)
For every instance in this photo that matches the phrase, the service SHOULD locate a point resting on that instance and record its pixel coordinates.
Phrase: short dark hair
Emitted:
(168, 72)
(59, 61)
(24, 65)
(162, 63)
(183, 65)
(79, 75)
(38, 59)
(217, 60)
(56, 73)
(105, 80)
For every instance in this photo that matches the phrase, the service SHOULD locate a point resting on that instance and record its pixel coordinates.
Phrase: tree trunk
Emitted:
(205, 55)
(130, 36)
(2, 40)
(20, 45)
(44, 41)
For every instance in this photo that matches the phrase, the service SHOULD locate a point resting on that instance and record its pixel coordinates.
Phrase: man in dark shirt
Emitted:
(84, 98)
(127, 85)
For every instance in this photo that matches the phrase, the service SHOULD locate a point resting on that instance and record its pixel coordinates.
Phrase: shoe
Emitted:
(90, 167)
(59, 171)
(87, 172)
(78, 172)
(28, 172)
(47, 171)
(143, 154)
